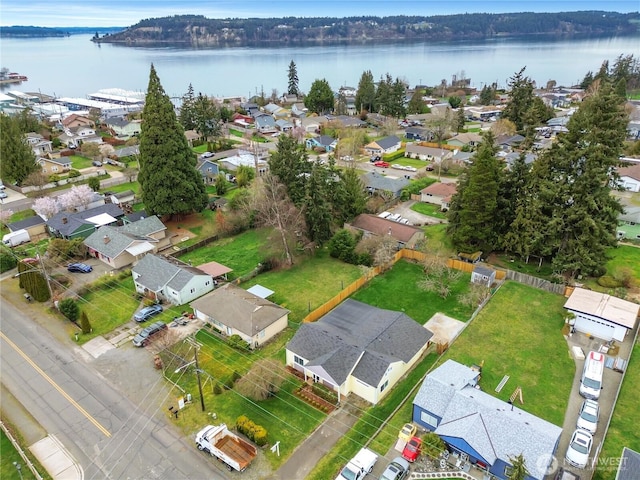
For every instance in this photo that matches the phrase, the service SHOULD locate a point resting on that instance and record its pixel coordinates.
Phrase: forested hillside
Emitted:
(196, 30)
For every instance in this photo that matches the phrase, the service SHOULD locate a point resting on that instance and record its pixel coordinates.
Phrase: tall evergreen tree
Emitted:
(366, 93)
(317, 204)
(476, 208)
(17, 160)
(383, 95)
(170, 183)
(512, 191)
(187, 113)
(206, 117)
(289, 163)
(353, 199)
(320, 97)
(569, 208)
(292, 86)
(520, 99)
(416, 104)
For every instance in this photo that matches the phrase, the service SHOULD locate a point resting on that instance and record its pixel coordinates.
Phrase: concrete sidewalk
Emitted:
(52, 455)
(318, 444)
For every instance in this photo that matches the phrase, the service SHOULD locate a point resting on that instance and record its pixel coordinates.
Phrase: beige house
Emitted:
(430, 154)
(439, 194)
(407, 236)
(234, 311)
(54, 166)
(74, 120)
(123, 246)
(357, 348)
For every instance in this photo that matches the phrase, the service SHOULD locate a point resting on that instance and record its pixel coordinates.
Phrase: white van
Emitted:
(591, 382)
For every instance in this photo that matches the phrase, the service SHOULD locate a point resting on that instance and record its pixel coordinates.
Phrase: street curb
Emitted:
(56, 459)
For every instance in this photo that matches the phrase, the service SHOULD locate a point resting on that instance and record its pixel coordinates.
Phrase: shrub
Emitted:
(217, 389)
(255, 433)
(324, 393)
(235, 377)
(7, 261)
(84, 323)
(73, 173)
(237, 342)
(94, 184)
(608, 281)
(69, 308)
(432, 444)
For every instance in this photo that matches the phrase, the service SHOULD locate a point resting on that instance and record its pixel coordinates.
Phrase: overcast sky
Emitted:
(124, 13)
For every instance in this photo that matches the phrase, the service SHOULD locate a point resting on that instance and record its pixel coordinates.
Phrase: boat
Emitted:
(11, 77)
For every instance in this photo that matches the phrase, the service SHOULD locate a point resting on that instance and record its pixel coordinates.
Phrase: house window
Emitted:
(54, 169)
(298, 360)
(428, 419)
(207, 282)
(507, 470)
(384, 385)
(193, 290)
(261, 334)
(229, 331)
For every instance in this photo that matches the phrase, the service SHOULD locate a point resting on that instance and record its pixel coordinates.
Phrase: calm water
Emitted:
(74, 66)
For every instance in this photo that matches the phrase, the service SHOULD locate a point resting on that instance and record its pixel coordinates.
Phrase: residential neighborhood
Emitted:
(431, 278)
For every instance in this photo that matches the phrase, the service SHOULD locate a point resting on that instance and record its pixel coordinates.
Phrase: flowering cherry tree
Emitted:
(5, 215)
(77, 196)
(46, 207)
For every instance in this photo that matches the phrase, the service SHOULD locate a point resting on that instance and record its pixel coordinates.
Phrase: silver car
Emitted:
(589, 413)
(396, 470)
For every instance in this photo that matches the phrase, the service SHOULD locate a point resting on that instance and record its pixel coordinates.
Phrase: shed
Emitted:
(483, 275)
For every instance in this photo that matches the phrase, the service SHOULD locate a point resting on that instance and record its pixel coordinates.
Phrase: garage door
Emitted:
(595, 328)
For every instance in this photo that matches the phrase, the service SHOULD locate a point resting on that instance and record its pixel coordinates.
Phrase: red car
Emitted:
(412, 449)
(382, 164)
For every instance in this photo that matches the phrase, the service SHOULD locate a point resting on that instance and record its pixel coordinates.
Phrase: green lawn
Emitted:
(518, 333)
(78, 162)
(242, 253)
(622, 258)
(109, 303)
(135, 186)
(428, 209)
(397, 290)
(623, 430)
(308, 284)
(284, 416)
(9, 456)
(438, 240)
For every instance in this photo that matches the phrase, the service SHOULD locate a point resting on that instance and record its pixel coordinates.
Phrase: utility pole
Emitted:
(196, 346)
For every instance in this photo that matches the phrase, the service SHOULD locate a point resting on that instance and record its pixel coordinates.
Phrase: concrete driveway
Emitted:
(404, 209)
(611, 384)
(79, 280)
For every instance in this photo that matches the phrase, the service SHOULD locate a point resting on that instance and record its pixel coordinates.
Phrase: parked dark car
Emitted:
(144, 336)
(147, 312)
(79, 268)
(96, 163)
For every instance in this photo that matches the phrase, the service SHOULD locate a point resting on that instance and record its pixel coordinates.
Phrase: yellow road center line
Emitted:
(57, 387)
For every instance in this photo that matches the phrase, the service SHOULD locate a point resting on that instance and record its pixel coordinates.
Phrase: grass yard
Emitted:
(11, 455)
(437, 239)
(518, 333)
(624, 257)
(78, 162)
(515, 263)
(369, 422)
(242, 253)
(135, 186)
(428, 209)
(308, 284)
(623, 430)
(284, 416)
(109, 303)
(397, 289)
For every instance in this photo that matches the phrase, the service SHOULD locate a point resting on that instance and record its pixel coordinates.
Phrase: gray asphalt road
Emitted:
(105, 432)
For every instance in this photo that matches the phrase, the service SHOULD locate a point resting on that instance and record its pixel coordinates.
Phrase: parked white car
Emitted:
(579, 448)
(589, 413)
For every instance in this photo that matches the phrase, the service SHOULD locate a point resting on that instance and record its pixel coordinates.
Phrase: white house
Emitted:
(602, 315)
(630, 177)
(357, 348)
(166, 278)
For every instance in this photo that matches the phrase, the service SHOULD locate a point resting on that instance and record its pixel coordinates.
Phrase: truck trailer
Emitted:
(13, 239)
(218, 441)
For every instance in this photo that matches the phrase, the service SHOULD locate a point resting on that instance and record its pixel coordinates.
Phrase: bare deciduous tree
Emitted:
(262, 381)
(385, 252)
(273, 208)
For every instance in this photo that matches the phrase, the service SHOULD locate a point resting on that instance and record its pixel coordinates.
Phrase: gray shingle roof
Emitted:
(356, 336)
(26, 223)
(381, 182)
(493, 428)
(157, 271)
(629, 465)
(75, 220)
(123, 237)
(235, 307)
(388, 142)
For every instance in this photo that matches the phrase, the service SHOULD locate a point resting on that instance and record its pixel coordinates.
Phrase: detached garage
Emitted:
(602, 315)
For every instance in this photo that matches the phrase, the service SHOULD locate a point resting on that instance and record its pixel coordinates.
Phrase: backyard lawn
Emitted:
(242, 252)
(518, 333)
(397, 290)
(428, 209)
(10, 456)
(135, 186)
(438, 240)
(623, 430)
(308, 284)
